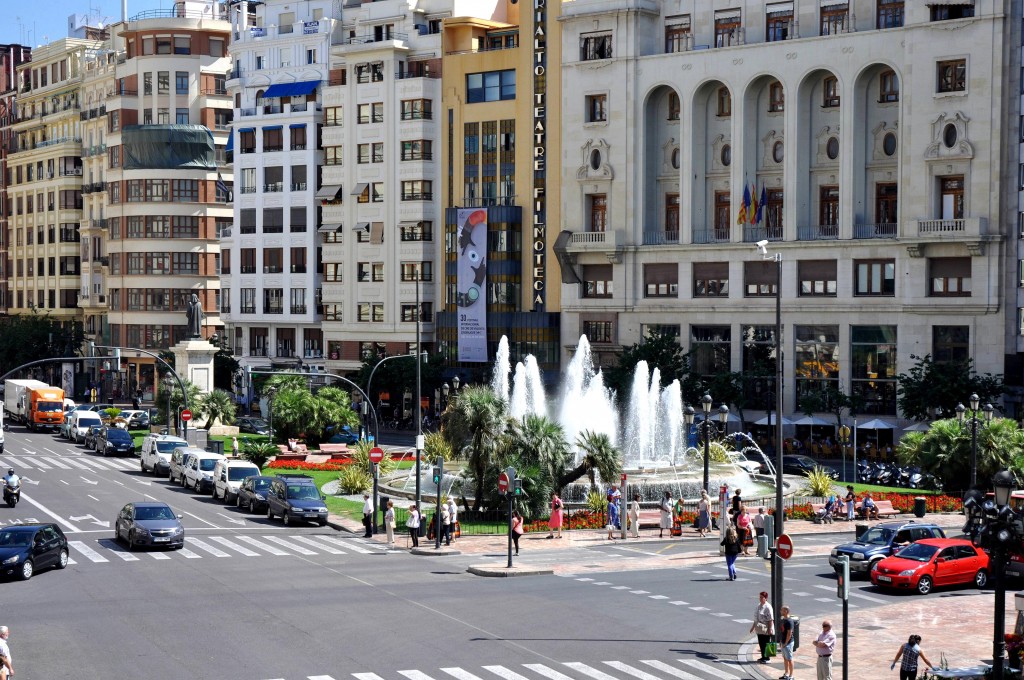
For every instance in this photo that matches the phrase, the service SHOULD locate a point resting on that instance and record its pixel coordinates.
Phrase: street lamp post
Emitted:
(707, 429)
(169, 385)
(975, 401)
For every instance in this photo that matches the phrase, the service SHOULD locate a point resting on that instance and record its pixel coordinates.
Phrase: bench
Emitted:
(334, 449)
(288, 456)
(299, 448)
(884, 508)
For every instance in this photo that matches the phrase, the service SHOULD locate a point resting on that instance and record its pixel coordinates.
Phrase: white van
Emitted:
(228, 475)
(81, 421)
(198, 470)
(156, 452)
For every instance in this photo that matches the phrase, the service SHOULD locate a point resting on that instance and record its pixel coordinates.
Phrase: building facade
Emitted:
(501, 150)
(11, 56)
(873, 144)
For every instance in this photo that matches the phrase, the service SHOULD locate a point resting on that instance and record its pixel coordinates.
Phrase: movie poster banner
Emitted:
(471, 284)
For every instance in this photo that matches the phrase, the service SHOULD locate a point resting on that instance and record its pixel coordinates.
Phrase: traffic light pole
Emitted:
(510, 496)
(438, 477)
(843, 593)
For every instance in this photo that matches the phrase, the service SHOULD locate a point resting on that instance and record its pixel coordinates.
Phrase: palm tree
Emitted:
(541, 441)
(473, 426)
(945, 450)
(291, 410)
(216, 405)
(599, 454)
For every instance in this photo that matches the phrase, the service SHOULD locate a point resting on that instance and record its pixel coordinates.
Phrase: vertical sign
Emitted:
(471, 283)
(540, 92)
(67, 378)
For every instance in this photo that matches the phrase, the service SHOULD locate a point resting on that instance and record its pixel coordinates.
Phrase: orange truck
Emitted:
(34, 404)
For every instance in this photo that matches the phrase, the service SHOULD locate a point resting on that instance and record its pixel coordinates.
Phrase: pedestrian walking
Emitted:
(6, 663)
(737, 503)
(453, 524)
(613, 509)
(732, 549)
(758, 521)
(786, 643)
(517, 529)
(634, 516)
(825, 645)
(704, 514)
(367, 516)
(555, 522)
(851, 500)
(764, 625)
(413, 523)
(743, 528)
(910, 653)
(389, 523)
(666, 515)
(234, 447)
(443, 529)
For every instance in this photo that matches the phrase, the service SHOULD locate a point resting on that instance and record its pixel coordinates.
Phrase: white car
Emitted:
(739, 459)
(198, 470)
(156, 452)
(228, 475)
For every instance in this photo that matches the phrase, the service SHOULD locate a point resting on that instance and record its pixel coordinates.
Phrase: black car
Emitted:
(139, 420)
(113, 441)
(90, 436)
(296, 498)
(252, 493)
(253, 425)
(802, 465)
(27, 548)
(149, 524)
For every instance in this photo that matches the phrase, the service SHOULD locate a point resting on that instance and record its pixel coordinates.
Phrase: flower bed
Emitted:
(333, 466)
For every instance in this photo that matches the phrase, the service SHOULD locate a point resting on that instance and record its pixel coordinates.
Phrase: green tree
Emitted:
(37, 335)
(660, 350)
(942, 385)
(214, 406)
(399, 374)
(539, 441)
(225, 366)
(599, 455)
(177, 403)
(473, 424)
(830, 399)
(945, 450)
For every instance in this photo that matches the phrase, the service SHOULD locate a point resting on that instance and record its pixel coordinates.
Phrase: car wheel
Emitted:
(270, 513)
(198, 487)
(62, 559)
(27, 569)
(252, 506)
(322, 522)
(924, 585)
(170, 478)
(284, 518)
(981, 578)
(214, 493)
(142, 466)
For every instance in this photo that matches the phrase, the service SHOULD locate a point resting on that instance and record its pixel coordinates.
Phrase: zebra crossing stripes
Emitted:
(205, 547)
(88, 552)
(291, 546)
(316, 544)
(79, 462)
(234, 546)
(269, 548)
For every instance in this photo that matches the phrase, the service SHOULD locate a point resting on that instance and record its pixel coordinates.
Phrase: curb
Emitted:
(431, 552)
(496, 571)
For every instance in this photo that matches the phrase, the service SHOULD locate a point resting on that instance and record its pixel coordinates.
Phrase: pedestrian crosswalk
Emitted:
(645, 669)
(85, 463)
(107, 550)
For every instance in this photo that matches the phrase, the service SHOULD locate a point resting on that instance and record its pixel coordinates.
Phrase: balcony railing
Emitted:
(818, 232)
(941, 226)
(273, 187)
(753, 234)
(274, 309)
(884, 230)
(716, 235)
(255, 351)
(367, 39)
(298, 309)
(589, 237)
(298, 186)
(659, 238)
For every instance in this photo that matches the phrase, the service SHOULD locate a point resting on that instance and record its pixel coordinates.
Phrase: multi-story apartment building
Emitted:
(502, 154)
(879, 140)
(45, 189)
(380, 191)
(10, 57)
(166, 120)
(270, 257)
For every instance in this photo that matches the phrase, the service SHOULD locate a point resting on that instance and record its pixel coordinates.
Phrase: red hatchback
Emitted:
(931, 562)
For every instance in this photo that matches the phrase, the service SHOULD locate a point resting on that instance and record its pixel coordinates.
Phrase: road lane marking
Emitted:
(856, 594)
(41, 465)
(74, 462)
(296, 548)
(261, 545)
(57, 463)
(88, 552)
(206, 547)
(415, 675)
(505, 673)
(629, 670)
(159, 556)
(460, 674)
(200, 519)
(546, 672)
(317, 544)
(18, 462)
(366, 676)
(319, 677)
(121, 552)
(234, 546)
(349, 544)
(716, 671)
(588, 671)
(71, 528)
(188, 554)
(674, 672)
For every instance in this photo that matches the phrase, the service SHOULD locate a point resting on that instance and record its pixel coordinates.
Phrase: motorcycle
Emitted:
(12, 494)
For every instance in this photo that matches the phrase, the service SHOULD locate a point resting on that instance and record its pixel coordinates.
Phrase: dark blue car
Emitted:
(27, 548)
(343, 435)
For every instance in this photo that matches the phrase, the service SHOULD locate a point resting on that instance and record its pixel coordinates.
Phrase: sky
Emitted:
(39, 22)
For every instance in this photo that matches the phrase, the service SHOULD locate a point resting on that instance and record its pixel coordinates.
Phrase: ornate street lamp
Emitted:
(707, 428)
(988, 412)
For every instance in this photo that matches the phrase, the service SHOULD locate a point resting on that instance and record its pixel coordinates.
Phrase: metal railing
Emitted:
(753, 234)
(181, 13)
(716, 235)
(884, 230)
(941, 226)
(367, 39)
(817, 232)
(659, 238)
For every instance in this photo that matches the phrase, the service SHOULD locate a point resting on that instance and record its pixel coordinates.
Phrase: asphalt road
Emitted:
(252, 600)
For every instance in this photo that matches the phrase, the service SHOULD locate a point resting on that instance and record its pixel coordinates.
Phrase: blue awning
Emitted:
(241, 130)
(297, 125)
(231, 143)
(298, 89)
(272, 127)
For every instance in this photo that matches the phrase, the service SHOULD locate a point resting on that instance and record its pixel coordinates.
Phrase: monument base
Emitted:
(193, 360)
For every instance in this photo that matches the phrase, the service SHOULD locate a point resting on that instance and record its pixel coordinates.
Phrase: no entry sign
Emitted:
(186, 415)
(503, 483)
(784, 546)
(376, 455)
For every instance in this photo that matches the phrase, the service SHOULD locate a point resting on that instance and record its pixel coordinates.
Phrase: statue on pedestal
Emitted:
(195, 316)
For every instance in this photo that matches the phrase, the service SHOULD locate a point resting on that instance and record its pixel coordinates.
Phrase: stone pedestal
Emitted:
(193, 360)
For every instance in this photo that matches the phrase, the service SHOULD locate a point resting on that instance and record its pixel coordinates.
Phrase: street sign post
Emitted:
(376, 456)
(784, 546)
(843, 593)
(186, 415)
(503, 483)
(438, 527)
(623, 504)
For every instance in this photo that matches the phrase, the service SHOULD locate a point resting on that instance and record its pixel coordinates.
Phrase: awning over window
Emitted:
(728, 14)
(298, 89)
(377, 232)
(242, 130)
(328, 192)
(271, 127)
(408, 225)
(834, 3)
(297, 125)
(231, 143)
(362, 226)
(779, 7)
(330, 227)
(360, 188)
(941, 3)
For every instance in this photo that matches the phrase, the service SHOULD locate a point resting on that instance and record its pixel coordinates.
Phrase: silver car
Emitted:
(149, 524)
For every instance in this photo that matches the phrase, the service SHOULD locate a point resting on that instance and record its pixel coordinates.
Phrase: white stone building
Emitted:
(880, 138)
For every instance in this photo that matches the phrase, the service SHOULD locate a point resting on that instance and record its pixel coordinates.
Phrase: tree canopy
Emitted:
(659, 350)
(942, 385)
(37, 335)
(945, 451)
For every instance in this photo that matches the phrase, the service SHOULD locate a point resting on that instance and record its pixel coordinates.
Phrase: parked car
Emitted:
(124, 418)
(296, 498)
(149, 524)
(932, 562)
(228, 475)
(96, 408)
(113, 441)
(880, 541)
(91, 434)
(156, 452)
(65, 427)
(198, 473)
(252, 493)
(802, 465)
(343, 435)
(81, 421)
(252, 425)
(139, 420)
(179, 458)
(28, 548)
(739, 459)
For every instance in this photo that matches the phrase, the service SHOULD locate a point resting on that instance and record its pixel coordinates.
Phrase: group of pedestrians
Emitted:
(449, 521)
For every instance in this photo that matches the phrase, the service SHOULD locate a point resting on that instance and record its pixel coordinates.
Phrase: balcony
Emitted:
(273, 187)
(250, 309)
(884, 230)
(753, 234)
(255, 351)
(368, 39)
(298, 309)
(970, 226)
(661, 238)
(298, 186)
(715, 235)
(818, 232)
(274, 309)
(609, 243)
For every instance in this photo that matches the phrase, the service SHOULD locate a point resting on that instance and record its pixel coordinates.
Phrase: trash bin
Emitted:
(796, 632)
(859, 529)
(920, 506)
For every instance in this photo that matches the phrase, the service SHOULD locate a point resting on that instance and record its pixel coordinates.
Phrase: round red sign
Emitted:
(376, 455)
(784, 546)
(186, 415)
(502, 482)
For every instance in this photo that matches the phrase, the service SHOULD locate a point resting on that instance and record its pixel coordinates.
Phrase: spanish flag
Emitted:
(744, 206)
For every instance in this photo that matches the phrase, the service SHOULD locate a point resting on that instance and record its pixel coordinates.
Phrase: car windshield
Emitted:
(167, 447)
(303, 492)
(918, 552)
(50, 407)
(15, 539)
(260, 484)
(117, 435)
(237, 473)
(157, 512)
(257, 422)
(207, 464)
(877, 536)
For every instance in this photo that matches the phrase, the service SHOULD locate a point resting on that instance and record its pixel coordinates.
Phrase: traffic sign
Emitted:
(784, 546)
(186, 415)
(376, 455)
(503, 483)
(623, 478)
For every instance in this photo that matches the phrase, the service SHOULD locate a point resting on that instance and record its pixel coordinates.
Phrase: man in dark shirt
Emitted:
(786, 643)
